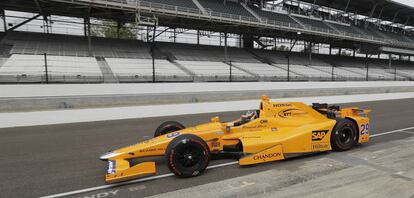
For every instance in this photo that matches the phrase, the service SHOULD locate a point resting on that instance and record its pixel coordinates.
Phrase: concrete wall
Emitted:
(49, 97)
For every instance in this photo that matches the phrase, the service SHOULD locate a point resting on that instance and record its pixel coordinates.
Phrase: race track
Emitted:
(47, 160)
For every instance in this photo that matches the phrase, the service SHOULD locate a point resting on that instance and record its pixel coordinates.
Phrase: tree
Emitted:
(109, 29)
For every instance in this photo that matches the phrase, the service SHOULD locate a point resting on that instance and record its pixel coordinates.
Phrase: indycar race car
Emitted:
(276, 131)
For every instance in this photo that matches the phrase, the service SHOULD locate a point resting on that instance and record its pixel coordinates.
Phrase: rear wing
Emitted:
(354, 111)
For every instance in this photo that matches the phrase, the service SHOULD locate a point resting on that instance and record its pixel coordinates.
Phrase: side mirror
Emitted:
(215, 119)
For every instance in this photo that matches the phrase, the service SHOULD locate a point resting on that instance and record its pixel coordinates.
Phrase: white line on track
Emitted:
(171, 174)
(389, 132)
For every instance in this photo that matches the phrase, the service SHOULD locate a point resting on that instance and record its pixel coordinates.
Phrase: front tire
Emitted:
(343, 135)
(187, 155)
(168, 127)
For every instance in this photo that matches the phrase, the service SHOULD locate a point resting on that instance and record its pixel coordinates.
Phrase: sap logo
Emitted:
(266, 156)
(319, 135)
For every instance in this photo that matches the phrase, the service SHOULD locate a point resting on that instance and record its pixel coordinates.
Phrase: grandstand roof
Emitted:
(389, 8)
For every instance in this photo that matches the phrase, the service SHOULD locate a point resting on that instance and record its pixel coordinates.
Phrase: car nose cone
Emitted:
(108, 155)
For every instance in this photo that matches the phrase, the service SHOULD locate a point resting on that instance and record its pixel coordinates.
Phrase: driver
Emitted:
(247, 117)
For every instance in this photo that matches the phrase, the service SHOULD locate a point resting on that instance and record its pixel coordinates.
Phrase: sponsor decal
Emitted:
(254, 127)
(282, 105)
(266, 156)
(291, 112)
(320, 146)
(150, 150)
(171, 135)
(319, 135)
(111, 166)
(215, 144)
(263, 121)
(251, 137)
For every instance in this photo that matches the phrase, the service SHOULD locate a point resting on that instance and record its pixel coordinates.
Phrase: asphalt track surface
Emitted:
(47, 160)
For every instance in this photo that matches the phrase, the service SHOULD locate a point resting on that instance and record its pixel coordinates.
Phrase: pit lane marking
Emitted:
(412, 132)
(171, 174)
(390, 132)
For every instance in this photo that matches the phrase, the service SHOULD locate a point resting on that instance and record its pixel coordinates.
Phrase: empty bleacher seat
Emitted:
(31, 68)
(214, 71)
(264, 71)
(180, 3)
(135, 70)
(228, 7)
(274, 16)
(346, 28)
(314, 24)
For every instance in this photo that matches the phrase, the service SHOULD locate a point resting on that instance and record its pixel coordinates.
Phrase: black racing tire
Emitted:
(343, 135)
(187, 155)
(168, 127)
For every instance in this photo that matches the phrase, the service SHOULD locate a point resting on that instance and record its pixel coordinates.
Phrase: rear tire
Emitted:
(168, 127)
(187, 155)
(343, 135)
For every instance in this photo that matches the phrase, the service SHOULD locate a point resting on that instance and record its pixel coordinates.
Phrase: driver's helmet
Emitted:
(249, 115)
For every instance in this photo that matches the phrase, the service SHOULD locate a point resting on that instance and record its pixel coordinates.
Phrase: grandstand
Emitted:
(29, 57)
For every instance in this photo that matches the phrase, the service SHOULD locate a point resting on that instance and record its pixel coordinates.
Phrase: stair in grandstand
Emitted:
(2, 61)
(331, 26)
(252, 12)
(5, 49)
(184, 69)
(200, 7)
(262, 59)
(297, 21)
(244, 70)
(108, 75)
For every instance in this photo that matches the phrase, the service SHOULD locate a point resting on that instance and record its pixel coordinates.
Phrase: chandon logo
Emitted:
(266, 156)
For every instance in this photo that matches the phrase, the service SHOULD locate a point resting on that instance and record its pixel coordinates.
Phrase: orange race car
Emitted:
(274, 132)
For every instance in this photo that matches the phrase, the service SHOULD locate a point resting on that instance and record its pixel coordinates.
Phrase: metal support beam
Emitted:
(3, 16)
(88, 26)
(225, 47)
(310, 53)
(23, 23)
(163, 31)
(198, 37)
(153, 53)
(46, 69)
(366, 66)
(389, 61)
(39, 7)
(288, 59)
(118, 27)
(371, 14)
(175, 36)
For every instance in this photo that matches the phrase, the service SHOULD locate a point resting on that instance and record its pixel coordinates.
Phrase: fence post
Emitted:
(333, 73)
(395, 73)
(230, 72)
(46, 70)
(366, 65)
(288, 69)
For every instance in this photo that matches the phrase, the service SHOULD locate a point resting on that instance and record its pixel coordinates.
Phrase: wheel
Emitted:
(168, 127)
(187, 155)
(343, 135)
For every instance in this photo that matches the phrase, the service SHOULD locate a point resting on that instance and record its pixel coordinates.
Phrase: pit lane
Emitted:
(47, 160)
